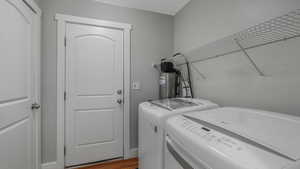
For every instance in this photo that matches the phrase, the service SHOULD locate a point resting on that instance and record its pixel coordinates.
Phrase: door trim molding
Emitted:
(134, 152)
(62, 20)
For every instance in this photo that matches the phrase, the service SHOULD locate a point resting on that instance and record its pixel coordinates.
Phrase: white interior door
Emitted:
(94, 85)
(16, 87)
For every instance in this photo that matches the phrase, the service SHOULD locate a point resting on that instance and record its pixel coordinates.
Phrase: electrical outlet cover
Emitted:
(136, 85)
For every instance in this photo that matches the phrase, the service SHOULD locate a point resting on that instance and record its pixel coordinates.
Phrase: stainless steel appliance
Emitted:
(172, 83)
(169, 83)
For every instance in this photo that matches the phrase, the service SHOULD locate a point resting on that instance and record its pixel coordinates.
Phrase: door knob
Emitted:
(35, 106)
(119, 101)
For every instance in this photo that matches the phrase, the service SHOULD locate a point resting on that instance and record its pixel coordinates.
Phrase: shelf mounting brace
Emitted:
(249, 58)
(198, 72)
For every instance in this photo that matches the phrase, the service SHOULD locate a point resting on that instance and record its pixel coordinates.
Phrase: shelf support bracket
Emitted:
(249, 58)
(198, 72)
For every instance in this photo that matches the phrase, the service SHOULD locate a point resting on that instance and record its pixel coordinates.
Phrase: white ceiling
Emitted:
(170, 7)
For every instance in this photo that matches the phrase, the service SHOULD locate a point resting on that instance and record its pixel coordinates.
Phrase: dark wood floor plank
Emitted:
(122, 164)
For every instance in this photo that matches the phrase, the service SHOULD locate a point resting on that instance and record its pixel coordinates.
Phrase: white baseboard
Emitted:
(51, 165)
(134, 152)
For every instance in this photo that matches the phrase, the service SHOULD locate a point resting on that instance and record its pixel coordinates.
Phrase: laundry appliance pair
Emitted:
(197, 134)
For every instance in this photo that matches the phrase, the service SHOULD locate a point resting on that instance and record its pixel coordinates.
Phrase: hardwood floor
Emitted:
(122, 164)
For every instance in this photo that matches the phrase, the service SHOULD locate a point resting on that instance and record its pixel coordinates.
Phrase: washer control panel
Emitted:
(209, 135)
(242, 153)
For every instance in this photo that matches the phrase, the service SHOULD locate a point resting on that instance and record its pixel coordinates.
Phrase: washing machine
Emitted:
(232, 138)
(152, 116)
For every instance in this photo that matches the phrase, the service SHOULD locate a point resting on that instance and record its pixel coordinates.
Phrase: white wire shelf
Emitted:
(275, 30)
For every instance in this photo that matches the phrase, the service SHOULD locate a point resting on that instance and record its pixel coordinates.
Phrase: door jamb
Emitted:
(62, 20)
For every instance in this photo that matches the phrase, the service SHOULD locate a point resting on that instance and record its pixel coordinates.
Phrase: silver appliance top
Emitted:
(174, 103)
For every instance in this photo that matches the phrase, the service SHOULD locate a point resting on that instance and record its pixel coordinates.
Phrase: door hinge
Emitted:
(65, 95)
(65, 150)
(65, 41)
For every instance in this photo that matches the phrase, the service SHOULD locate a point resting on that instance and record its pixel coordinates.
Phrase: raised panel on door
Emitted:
(94, 64)
(16, 132)
(94, 120)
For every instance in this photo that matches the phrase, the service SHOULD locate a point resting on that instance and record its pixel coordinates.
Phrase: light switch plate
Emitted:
(136, 85)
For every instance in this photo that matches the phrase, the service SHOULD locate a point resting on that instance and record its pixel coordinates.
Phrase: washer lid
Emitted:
(174, 103)
(276, 131)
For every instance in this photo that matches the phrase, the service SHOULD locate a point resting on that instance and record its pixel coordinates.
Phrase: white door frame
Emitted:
(62, 20)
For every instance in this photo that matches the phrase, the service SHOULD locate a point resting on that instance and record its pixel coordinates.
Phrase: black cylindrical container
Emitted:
(167, 67)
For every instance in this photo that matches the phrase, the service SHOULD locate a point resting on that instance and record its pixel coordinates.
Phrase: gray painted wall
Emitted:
(231, 80)
(152, 38)
(37, 1)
